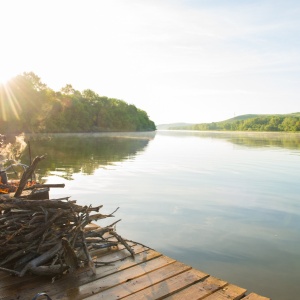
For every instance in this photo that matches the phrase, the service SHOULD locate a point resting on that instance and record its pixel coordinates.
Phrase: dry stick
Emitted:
(106, 263)
(120, 239)
(36, 205)
(27, 174)
(15, 215)
(95, 217)
(87, 254)
(99, 232)
(50, 185)
(40, 230)
(77, 222)
(64, 198)
(41, 259)
(80, 228)
(13, 256)
(43, 239)
(49, 270)
(106, 245)
(131, 241)
(94, 239)
(20, 263)
(13, 235)
(10, 271)
(69, 255)
(25, 248)
(114, 223)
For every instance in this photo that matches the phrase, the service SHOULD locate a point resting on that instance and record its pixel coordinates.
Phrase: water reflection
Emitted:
(246, 139)
(73, 153)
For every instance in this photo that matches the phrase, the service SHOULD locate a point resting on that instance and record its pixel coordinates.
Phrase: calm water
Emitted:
(225, 203)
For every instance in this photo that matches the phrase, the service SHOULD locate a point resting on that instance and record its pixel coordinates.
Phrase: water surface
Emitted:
(225, 203)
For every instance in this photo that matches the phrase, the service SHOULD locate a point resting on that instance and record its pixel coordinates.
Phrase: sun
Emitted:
(7, 71)
(5, 77)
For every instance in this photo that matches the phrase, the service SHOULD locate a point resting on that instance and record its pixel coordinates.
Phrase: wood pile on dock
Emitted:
(51, 236)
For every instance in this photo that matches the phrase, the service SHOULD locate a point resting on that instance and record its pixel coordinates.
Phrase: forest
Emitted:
(30, 106)
(285, 122)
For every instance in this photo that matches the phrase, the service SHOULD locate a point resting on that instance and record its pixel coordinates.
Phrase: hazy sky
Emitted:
(180, 61)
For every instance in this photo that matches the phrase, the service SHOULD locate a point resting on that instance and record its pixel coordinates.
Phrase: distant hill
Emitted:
(169, 126)
(242, 117)
(249, 122)
(250, 116)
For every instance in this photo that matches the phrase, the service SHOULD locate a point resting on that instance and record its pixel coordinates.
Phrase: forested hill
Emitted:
(28, 105)
(284, 122)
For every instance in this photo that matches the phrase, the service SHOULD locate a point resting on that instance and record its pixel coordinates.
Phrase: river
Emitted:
(225, 203)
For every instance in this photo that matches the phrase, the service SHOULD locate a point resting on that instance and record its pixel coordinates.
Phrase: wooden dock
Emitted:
(149, 275)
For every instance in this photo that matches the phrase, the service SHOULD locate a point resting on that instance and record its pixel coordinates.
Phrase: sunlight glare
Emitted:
(5, 75)
(8, 103)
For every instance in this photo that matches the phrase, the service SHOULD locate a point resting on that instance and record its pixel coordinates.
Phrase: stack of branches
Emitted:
(50, 237)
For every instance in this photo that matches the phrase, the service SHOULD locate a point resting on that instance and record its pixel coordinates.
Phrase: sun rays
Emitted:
(9, 105)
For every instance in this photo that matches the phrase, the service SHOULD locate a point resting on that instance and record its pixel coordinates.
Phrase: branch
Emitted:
(27, 174)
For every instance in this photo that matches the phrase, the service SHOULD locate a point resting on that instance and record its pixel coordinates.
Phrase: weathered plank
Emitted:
(254, 296)
(229, 292)
(123, 276)
(183, 286)
(201, 289)
(135, 284)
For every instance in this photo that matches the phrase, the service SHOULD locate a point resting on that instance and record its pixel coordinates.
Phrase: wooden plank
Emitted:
(197, 291)
(7, 282)
(254, 296)
(27, 287)
(10, 284)
(153, 285)
(104, 283)
(229, 292)
(135, 284)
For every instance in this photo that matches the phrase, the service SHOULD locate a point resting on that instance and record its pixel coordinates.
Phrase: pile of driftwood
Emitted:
(51, 237)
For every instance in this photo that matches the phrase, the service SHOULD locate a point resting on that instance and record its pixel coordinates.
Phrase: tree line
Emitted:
(28, 105)
(288, 123)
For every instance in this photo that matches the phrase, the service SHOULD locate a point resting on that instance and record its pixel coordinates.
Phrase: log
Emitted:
(41, 259)
(27, 174)
(46, 185)
(17, 203)
(49, 270)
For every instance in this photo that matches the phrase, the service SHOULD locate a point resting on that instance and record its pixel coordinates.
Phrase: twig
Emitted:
(120, 239)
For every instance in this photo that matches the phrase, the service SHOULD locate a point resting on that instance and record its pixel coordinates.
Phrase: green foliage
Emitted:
(28, 105)
(288, 123)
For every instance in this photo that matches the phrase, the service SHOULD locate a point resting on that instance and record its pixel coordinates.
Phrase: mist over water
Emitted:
(225, 203)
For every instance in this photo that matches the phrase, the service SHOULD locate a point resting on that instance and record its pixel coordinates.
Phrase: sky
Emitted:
(189, 61)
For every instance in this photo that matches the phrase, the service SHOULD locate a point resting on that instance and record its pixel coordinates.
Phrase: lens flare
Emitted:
(9, 104)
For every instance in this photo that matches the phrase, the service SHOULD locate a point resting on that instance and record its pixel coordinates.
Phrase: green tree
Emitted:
(28, 105)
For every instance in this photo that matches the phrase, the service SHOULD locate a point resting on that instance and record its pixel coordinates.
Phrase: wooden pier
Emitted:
(149, 275)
